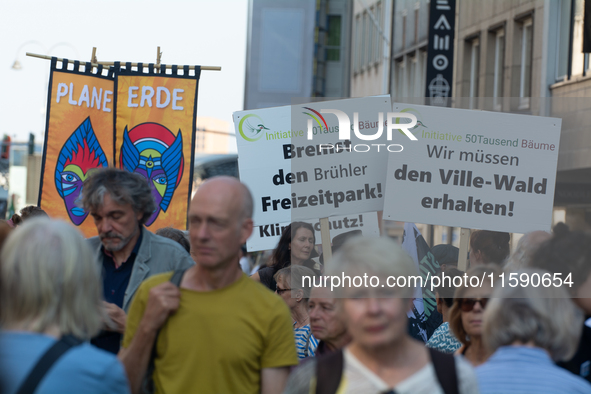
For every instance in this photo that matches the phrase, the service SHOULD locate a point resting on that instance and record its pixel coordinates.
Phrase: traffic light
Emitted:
(31, 143)
(5, 151)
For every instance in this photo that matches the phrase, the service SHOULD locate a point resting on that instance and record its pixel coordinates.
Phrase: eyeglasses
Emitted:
(467, 304)
(281, 291)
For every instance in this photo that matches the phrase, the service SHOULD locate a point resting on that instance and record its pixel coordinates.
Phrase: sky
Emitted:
(203, 32)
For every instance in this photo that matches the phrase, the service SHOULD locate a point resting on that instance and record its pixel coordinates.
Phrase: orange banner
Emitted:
(78, 137)
(155, 131)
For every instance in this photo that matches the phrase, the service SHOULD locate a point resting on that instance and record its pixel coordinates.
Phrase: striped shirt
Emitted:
(305, 342)
(521, 369)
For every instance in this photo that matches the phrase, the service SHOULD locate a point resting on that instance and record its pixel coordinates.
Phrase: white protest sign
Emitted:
(267, 236)
(293, 177)
(475, 169)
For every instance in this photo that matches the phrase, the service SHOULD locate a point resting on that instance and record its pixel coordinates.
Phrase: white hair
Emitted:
(50, 278)
(380, 257)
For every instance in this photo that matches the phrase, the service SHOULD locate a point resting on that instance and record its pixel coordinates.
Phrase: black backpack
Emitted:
(329, 371)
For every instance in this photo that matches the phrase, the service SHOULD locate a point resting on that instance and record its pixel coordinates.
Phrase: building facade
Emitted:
(296, 49)
(526, 57)
(212, 135)
(371, 40)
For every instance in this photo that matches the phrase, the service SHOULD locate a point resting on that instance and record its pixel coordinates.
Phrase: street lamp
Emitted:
(17, 64)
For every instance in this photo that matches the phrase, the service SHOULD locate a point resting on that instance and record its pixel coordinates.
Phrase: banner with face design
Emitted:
(154, 136)
(78, 136)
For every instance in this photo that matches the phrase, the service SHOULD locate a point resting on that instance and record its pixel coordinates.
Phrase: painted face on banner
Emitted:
(79, 154)
(151, 150)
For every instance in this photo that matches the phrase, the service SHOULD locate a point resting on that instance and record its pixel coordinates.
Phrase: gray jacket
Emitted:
(156, 255)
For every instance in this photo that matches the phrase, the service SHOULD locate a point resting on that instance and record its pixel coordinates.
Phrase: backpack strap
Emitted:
(148, 383)
(445, 370)
(46, 362)
(177, 276)
(329, 372)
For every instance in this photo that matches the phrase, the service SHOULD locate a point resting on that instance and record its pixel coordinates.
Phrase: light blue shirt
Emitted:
(521, 369)
(82, 369)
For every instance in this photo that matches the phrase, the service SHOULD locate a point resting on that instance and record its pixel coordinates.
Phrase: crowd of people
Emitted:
(130, 311)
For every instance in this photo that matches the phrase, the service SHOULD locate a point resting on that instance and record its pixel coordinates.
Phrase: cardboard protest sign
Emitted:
(475, 169)
(267, 236)
(78, 138)
(155, 137)
(294, 176)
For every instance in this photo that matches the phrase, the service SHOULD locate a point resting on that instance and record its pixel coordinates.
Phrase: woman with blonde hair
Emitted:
(528, 329)
(50, 306)
(466, 313)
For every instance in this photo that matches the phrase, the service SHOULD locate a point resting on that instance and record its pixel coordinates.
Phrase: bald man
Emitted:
(220, 332)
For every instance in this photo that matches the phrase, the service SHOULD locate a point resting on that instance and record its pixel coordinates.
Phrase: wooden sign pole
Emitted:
(168, 66)
(325, 235)
(93, 56)
(464, 246)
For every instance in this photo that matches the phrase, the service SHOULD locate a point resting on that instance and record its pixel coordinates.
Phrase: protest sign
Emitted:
(266, 237)
(293, 177)
(155, 136)
(475, 169)
(78, 138)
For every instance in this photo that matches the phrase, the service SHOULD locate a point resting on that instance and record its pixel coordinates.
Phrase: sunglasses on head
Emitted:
(467, 304)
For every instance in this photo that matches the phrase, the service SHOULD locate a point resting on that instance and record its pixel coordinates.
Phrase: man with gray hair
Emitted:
(120, 202)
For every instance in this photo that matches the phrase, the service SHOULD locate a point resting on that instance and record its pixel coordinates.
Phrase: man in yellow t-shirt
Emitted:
(221, 331)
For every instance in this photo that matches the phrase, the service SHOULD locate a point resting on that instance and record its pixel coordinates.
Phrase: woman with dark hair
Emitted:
(295, 246)
(466, 313)
(488, 247)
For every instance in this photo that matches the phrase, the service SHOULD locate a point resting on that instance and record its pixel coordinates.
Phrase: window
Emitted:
(423, 68)
(563, 39)
(370, 38)
(401, 78)
(412, 75)
(333, 42)
(474, 70)
(498, 69)
(379, 32)
(357, 56)
(404, 30)
(577, 56)
(526, 28)
(18, 155)
(416, 37)
(363, 39)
